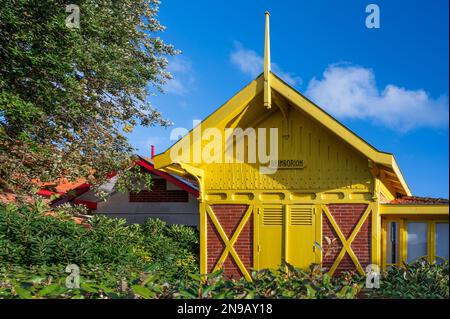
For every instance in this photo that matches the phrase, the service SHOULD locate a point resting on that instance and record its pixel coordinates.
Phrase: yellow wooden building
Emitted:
(326, 196)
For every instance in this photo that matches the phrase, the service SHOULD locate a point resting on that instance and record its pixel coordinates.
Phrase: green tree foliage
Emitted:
(68, 95)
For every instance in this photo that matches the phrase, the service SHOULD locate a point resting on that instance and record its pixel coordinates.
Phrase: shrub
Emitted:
(175, 248)
(159, 261)
(117, 282)
(48, 281)
(419, 280)
(28, 237)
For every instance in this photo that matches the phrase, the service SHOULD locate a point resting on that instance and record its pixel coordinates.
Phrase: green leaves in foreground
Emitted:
(419, 280)
(424, 281)
(156, 261)
(106, 283)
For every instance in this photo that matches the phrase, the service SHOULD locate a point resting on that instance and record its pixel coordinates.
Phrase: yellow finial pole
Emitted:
(267, 93)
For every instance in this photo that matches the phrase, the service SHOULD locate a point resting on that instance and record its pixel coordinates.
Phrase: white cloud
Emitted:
(351, 92)
(249, 62)
(183, 76)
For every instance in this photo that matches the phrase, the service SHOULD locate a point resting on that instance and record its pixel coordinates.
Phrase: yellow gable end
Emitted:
(318, 158)
(311, 160)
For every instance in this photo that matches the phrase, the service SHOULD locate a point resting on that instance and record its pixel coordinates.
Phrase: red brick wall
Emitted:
(347, 216)
(229, 217)
(159, 193)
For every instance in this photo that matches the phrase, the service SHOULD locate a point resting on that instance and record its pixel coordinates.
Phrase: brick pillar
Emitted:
(229, 217)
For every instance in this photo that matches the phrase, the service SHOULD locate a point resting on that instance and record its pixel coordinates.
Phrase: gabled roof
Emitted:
(386, 164)
(69, 192)
(176, 180)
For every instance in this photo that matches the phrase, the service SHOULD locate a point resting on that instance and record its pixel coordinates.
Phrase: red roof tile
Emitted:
(415, 200)
(61, 186)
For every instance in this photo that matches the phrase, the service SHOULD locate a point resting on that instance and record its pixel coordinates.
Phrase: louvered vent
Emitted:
(301, 216)
(273, 215)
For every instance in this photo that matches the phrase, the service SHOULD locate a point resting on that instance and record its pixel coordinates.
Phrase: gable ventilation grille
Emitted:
(273, 216)
(301, 216)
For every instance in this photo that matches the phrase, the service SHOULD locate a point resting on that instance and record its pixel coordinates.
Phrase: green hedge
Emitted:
(156, 261)
(118, 282)
(29, 238)
(419, 280)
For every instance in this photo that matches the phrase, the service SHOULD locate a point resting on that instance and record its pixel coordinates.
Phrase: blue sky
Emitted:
(389, 85)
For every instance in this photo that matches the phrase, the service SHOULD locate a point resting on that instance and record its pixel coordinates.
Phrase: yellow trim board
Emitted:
(392, 209)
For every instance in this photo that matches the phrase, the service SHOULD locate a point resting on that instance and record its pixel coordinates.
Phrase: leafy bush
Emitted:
(159, 261)
(176, 248)
(418, 280)
(427, 281)
(29, 237)
(117, 282)
(49, 282)
(286, 282)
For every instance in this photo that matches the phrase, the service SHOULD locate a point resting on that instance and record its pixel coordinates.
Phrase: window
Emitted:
(416, 241)
(407, 240)
(441, 241)
(392, 243)
(159, 193)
